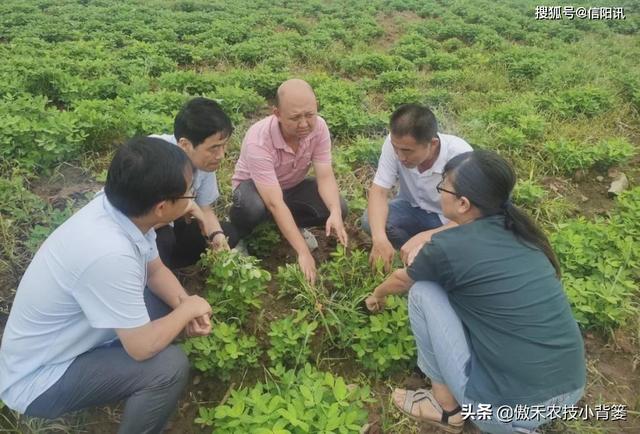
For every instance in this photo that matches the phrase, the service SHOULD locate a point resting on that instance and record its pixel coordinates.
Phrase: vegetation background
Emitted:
(559, 98)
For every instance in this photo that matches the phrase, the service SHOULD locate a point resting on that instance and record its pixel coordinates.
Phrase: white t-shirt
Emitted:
(86, 280)
(205, 184)
(419, 189)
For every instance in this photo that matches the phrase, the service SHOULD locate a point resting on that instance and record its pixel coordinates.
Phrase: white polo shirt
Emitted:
(205, 184)
(86, 280)
(419, 189)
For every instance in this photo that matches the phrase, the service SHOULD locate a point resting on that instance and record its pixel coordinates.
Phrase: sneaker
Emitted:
(309, 238)
(241, 248)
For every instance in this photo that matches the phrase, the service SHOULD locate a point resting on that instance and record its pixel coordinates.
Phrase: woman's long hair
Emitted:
(487, 180)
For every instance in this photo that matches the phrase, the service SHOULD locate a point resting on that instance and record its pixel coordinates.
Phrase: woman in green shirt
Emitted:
(493, 327)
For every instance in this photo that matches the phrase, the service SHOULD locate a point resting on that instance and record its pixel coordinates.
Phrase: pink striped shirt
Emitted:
(267, 159)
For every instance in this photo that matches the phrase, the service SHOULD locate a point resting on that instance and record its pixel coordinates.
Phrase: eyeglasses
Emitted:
(439, 189)
(190, 196)
(182, 197)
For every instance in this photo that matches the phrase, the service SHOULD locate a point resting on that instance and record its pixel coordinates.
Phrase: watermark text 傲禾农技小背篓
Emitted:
(520, 412)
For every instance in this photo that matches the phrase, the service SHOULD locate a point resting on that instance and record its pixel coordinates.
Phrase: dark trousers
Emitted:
(182, 244)
(108, 374)
(303, 200)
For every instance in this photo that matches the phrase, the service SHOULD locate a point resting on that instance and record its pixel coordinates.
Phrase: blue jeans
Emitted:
(443, 354)
(404, 221)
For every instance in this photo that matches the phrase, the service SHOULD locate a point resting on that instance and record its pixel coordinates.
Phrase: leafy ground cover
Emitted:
(559, 98)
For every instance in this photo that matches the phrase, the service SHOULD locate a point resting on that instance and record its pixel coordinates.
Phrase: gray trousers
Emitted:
(108, 374)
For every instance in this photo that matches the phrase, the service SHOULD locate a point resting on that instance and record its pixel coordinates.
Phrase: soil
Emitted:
(66, 183)
(589, 190)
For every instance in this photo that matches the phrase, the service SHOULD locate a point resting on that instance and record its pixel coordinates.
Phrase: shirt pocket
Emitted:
(287, 162)
(305, 159)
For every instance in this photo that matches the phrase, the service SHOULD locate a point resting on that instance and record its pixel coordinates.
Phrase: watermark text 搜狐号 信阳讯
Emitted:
(581, 13)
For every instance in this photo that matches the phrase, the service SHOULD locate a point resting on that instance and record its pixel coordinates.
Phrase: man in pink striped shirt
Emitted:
(270, 178)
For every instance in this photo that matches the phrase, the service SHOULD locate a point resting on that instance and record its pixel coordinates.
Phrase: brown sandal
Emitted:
(413, 397)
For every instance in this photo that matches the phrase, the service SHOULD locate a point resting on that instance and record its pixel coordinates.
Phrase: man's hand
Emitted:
(410, 249)
(197, 305)
(335, 222)
(382, 251)
(375, 304)
(308, 266)
(144, 342)
(219, 243)
(200, 326)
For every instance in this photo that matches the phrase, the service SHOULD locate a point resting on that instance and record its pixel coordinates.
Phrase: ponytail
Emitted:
(526, 230)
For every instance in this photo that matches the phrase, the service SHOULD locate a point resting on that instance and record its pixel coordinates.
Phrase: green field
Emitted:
(559, 98)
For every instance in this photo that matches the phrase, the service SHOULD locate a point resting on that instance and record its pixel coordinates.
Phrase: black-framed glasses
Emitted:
(439, 189)
(192, 195)
(182, 197)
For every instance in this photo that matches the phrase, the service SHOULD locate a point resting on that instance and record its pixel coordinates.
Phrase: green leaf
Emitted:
(340, 389)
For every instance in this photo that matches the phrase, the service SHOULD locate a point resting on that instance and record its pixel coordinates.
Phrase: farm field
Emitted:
(560, 98)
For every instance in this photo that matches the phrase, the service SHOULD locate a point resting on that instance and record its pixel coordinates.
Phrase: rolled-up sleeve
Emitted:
(261, 164)
(432, 264)
(322, 149)
(207, 189)
(153, 252)
(387, 173)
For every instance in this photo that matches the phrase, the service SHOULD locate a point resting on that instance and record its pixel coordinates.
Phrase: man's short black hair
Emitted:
(200, 118)
(145, 171)
(414, 120)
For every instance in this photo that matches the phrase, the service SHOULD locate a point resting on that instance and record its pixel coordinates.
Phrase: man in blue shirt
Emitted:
(202, 129)
(96, 310)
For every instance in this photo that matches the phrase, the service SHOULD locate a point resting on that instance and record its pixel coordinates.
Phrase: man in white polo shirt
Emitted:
(96, 310)
(415, 154)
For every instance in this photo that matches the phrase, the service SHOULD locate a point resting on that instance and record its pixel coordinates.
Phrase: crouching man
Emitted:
(96, 310)
(270, 178)
(202, 129)
(414, 153)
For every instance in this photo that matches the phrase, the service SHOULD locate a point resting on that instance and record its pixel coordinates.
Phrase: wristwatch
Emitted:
(213, 234)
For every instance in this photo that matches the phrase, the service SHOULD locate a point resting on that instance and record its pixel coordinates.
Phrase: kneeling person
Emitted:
(270, 175)
(96, 310)
(415, 154)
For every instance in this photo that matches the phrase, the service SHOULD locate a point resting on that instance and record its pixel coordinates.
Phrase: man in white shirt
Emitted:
(415, 154)
(96, 311)
(202, 129)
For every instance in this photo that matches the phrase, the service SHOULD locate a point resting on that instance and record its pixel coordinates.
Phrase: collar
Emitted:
(276, 134)
(278, 140)
(144, 242)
